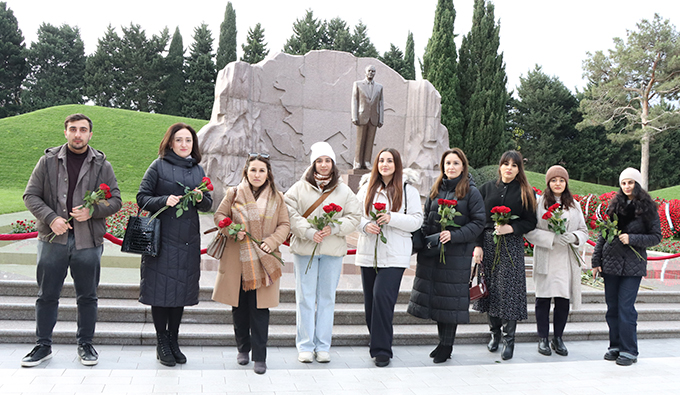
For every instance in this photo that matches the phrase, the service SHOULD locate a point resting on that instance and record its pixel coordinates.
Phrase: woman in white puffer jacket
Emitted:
(382, 267)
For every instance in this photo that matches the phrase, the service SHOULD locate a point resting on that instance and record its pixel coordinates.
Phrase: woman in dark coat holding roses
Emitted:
(169, 281)
(440, 289)
(623, 262)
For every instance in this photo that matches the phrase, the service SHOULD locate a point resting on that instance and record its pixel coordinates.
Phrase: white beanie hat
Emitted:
(631, 173)
(320, 149)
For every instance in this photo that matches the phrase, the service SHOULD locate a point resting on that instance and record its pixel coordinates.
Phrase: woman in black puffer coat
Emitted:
(169, 281)
(440, 289)
(621, 268)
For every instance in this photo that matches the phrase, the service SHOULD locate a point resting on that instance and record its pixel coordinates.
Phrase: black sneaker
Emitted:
(39, 354)
(87, 354)
(625, 361)
(382, 360)
(611, 355)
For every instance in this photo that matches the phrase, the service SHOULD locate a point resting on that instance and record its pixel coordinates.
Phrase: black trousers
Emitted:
(381, 290)
(560, 316)
(251, 326)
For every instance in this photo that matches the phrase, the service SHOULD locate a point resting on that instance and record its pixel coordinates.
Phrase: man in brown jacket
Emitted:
(55, 191)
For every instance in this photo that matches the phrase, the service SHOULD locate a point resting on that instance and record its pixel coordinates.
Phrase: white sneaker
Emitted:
(323, 356)
(306, 356)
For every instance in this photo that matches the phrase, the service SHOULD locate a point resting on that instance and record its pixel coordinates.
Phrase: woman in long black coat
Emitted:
(170, 281)
(440, 289)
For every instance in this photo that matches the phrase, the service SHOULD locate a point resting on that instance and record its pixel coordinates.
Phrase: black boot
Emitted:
(174, 347)
(443, 353)
(544, 346)
(559, 347)
(434, 352)
(495, 324)
(509, 328)
(163, 352)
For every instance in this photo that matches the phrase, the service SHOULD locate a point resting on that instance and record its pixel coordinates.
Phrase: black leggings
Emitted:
(167, 318)
(560, 315)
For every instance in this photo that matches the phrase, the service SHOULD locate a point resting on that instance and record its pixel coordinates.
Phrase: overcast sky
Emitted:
(553, 34)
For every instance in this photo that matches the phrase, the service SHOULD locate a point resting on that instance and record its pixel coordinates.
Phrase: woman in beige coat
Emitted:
(248, 277)
(557, 269)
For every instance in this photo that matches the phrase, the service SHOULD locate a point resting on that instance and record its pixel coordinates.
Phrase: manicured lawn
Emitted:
(667, 193)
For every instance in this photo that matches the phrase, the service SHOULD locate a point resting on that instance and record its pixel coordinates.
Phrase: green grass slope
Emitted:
(129, 139)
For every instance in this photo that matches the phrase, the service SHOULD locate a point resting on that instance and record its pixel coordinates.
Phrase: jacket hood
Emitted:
(51, 152)
(410, 176)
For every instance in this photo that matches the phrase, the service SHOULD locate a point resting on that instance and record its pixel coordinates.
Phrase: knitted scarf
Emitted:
(257, 267)
(322, 181)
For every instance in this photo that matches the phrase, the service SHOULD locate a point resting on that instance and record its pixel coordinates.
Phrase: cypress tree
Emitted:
(57, 62)
(409, 59)
(226, 50)
(13, 60)
(482, 91)
(439, 67)
(174, 80)
(255, 48)
(197, 100)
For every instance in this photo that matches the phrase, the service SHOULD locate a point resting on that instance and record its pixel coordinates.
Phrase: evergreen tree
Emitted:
(337, 36)
(226, 50)
(197, 100)
(547, 112)
(409, 59)
(362, 47)
(394, 59)
(57, 64)
(439, 67)
(173, 85)
(103, 71)
(255, 48)
(13, 66)
(482, 91)
(308, 35)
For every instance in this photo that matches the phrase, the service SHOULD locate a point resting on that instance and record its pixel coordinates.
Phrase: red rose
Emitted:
(106, 189)
(453, 202)
(526, 244)
(336, 207)
(593, 225)
(206, 180)
(547, 215)
(209, 187)
(554, 207)
(327, 209)
(440, 201)
(500, 210)
(379, 206)
(225, 222)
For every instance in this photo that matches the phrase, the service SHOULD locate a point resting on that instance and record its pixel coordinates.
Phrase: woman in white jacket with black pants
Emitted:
(381, 272)
(315, 288)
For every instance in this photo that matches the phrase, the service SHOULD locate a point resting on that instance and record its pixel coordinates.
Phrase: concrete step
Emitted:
(284, 335)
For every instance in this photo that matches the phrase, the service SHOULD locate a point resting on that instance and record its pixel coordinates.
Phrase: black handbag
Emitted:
(142, 236)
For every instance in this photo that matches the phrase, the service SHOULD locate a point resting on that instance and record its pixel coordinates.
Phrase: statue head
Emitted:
(370, 72)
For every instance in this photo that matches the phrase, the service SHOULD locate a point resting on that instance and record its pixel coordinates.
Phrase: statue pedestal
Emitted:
(353, 177)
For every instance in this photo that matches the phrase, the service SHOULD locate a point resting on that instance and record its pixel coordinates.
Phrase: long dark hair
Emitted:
(567, 199)
(528, 198)
(394, 189)
(270, 175)
(166, 143)
(335, 175)
(641, 200)
(463, 185)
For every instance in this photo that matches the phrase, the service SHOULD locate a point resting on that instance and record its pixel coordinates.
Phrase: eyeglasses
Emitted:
(258, 155)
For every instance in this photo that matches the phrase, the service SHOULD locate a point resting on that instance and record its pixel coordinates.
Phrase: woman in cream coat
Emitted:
(248, 276)
(315, 287)
(557, 269)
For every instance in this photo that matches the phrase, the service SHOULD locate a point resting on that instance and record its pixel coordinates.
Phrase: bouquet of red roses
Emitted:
(501, 216)
(379, 209)
(447, 211)
(319, 223)
(190, 195)
(91, 199)
(559, 225)
(607, 227)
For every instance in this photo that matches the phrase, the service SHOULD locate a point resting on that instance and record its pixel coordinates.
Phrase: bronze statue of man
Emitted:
(367, 114)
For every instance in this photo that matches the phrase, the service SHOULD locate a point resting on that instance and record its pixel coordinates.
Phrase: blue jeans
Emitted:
(620, 293)
(54, 260)
(315, 300)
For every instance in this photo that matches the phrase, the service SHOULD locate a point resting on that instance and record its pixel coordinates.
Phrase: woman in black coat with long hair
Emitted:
(440, 289)
(169, 281)
(623, 269)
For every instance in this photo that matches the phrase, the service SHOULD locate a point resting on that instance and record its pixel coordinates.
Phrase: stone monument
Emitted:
(286, 103)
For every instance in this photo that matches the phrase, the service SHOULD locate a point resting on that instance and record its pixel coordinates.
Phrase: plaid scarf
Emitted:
(258, 268)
